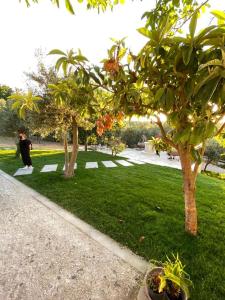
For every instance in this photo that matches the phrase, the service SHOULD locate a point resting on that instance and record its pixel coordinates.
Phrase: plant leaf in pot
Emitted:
(168, 281)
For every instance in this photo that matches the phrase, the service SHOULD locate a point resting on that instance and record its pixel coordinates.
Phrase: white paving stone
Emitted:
(124, 163)
(75, 167)
(138, 162)
(91, 165)
(49, 168)
(22, 171)
(109, 164)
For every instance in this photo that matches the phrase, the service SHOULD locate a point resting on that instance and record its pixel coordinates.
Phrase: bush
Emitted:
(115, 144)
(132, 136)
(213, 152)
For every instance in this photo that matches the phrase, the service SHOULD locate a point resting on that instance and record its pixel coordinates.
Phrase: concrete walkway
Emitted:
(47, 253)
(161, 160)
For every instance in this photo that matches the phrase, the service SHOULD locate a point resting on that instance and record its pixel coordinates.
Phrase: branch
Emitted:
(220, 130)
(191, 15)
(197, 164)
(165, 138)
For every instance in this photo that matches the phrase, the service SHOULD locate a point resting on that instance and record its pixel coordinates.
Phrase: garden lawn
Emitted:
(141, 207)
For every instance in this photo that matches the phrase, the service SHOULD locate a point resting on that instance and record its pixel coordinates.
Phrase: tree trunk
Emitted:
(206, 165)
(189, 180)
(73, 157)
(66, 153)
(86, 145)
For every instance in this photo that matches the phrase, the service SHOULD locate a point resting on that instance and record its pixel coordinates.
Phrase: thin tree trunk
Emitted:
(86, 145)
(189, 179)
(206, 165)
(75, 146)
(66, 153)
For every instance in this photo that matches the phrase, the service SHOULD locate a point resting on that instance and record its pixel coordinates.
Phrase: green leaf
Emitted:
(80, 58)
(56, 51)
(59, 62)
(195, 155)
(170, 99)
(203, 33)
(219, 15)
(69, 6)
(92, 75)
(193, 24)
(176, 3)
(64, 67)
(210, 130)
(211, 76)
(213, 62)
(197, 135)
(144, 31)
(122, 52)
(186, 53)
(57, 3)
(159, 94)
(185, 135)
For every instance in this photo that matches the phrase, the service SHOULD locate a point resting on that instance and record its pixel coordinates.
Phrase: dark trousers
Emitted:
(26, 158)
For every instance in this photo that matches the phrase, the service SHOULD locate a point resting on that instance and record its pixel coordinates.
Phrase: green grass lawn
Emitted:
(140, 201)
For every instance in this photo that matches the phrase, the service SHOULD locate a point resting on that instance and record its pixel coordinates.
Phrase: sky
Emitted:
(43, 25)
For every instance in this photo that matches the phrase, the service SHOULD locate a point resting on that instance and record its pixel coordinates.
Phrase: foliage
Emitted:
(100, 5)
(50, 119)
(181, 77)
(221, 139)
(92, 139)
(23, 102)
(159, 145)
(9, 121)
(215, 175)
(115, 144)
(131, 135)
(170, 278)
(213, 152)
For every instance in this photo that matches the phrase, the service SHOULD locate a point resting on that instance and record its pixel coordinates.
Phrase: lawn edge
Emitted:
(124, 253)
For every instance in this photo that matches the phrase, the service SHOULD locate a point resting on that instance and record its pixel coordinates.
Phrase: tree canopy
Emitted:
(100, 5)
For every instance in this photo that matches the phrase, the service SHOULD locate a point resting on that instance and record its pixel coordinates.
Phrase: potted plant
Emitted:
(167, 281)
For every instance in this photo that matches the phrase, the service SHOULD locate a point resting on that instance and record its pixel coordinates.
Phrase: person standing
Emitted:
(25, 147)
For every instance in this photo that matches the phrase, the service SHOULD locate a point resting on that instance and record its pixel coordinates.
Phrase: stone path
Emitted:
(137, 162)
(88, 165)
(22, 171)
(91, 165)
(124, 163)
(47, 253)
(109, 164)
(162, 160)
(49, 168)
(75, 167)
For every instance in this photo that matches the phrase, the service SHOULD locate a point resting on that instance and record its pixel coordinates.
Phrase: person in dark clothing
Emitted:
(25, 147)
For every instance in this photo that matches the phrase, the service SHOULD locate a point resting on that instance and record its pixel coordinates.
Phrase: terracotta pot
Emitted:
(146, 294)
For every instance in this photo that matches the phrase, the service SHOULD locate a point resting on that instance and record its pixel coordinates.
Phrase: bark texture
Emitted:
(73, 157)
(189, 179)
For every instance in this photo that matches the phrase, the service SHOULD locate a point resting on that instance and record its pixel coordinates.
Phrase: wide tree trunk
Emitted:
(189, 182)
(73, 157)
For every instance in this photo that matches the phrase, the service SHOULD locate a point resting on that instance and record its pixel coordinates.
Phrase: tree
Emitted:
(100, 5)
(213, 152)
(179, 76)
(9, 121)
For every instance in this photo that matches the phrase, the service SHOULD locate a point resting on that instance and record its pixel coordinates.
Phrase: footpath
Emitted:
(47, 253)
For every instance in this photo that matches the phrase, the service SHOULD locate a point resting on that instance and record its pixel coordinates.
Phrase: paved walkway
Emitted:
(161, 160)
(47, 253)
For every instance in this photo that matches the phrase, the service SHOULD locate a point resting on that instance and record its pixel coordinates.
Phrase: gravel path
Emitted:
(43, 256)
